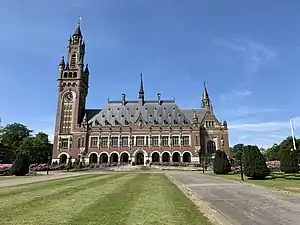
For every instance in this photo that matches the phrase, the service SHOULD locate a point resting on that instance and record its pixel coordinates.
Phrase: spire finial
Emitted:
(79, 21)
(141, 92)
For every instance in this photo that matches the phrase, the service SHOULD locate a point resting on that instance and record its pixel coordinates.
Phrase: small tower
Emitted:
(206, 103)
(141, 92)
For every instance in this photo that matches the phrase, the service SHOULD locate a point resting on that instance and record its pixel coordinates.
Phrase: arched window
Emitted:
(211, 147)
(73, 60)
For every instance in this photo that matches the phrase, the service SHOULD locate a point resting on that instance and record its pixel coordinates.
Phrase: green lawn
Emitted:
(110, 199)
(278, 183)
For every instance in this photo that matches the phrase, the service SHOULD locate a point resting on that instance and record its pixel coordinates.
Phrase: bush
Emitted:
(221, 163)
(21, 165)
(254, 163)
(289, 161)
(70, 164)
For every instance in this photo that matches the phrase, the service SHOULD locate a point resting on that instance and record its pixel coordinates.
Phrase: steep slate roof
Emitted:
(167, 113)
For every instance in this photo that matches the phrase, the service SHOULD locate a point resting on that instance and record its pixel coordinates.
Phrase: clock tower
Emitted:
(72, 86)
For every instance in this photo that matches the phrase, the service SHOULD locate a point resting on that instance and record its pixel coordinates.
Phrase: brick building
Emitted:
(125, 131)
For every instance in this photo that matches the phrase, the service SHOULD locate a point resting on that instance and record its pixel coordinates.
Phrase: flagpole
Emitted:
(293, 136)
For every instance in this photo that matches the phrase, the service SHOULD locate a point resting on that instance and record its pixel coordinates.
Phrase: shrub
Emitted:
(221, 163)
(254, 163)
(21, 165)
(289, 161)
(70, 164)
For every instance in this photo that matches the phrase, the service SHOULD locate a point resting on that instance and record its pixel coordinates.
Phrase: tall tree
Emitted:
(272, 153)
(254, 163)
(11, 137)
(37, 148)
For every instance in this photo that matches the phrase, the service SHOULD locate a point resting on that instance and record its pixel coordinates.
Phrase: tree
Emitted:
(36, 147)
(11, 137)
(21, 165)
(70, 164)
(254, 163)
(221, 163)
(272, 153)
(289, 161)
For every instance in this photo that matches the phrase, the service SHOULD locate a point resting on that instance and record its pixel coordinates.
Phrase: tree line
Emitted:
(17, 139)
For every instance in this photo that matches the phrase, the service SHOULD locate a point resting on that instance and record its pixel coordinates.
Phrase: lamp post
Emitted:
(49, 158)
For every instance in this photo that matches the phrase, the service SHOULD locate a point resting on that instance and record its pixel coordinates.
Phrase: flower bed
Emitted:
(5, 169)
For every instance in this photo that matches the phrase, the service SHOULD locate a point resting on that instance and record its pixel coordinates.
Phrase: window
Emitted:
(140, 141)
(155, 141)
(175, 141)
(211, 147)
(67, 118)
(185, 141)
(124, 141)
(104, 141)
(73, 60)
(209, 123)
(64, 143)
(165, 141)
(94, 142)
(78, 143)
(114, 141)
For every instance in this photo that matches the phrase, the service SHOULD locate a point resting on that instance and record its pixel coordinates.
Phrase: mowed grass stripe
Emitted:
(43, 203)
(114, 207)
(61, 211)
(13, 190)
(163, 203)
(53, 189)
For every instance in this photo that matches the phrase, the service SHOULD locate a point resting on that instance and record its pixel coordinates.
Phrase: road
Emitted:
(241, 203)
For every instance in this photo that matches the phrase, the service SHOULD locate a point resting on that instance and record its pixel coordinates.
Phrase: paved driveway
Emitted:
(241, 203)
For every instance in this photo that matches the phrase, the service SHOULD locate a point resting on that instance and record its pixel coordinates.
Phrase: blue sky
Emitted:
(248, 52)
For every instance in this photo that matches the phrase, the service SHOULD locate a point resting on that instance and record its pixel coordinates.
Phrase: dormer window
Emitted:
(126, 122)
(165, 122)
(175, 122)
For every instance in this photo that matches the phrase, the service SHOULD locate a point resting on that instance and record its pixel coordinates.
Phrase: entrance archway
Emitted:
(165, 157)
(93, 158)
(186, 158)
(155, 157)
(103, 158)
(176, 157)
(114, 158)
(139, 158)
(124, 157)
(63, 159)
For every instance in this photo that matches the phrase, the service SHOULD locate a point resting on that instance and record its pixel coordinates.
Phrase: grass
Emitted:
(110, 199)
(278, 183)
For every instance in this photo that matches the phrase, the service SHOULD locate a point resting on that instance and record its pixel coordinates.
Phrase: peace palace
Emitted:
(128, 132)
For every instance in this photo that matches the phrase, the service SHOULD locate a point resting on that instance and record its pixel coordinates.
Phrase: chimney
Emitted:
(158, 98)
(123, 99)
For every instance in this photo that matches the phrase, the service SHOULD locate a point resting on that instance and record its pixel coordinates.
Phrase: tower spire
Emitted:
(77, 31)
(141, 92)
(205, 99)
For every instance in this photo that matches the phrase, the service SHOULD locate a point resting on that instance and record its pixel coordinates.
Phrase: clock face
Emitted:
(69, 97)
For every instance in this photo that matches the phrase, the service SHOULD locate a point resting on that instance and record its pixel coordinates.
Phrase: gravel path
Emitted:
(240, 203)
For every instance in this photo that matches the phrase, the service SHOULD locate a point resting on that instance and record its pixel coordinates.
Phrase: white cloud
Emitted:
(235, 94)
(262, 134)
(252, 53)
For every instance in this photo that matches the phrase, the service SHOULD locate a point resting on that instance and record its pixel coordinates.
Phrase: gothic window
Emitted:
(140, 141)
(73, 60)
(185, 141)
(124, 141)
(211, 147)
(64, 143)
(175, 140)
(165, 141)
(67, 118)
(114, 141)
(94, 142)
(104, 141)
(155, 141)
(78, 143)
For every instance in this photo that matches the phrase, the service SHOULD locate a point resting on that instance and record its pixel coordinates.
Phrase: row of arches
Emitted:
(140, 156)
